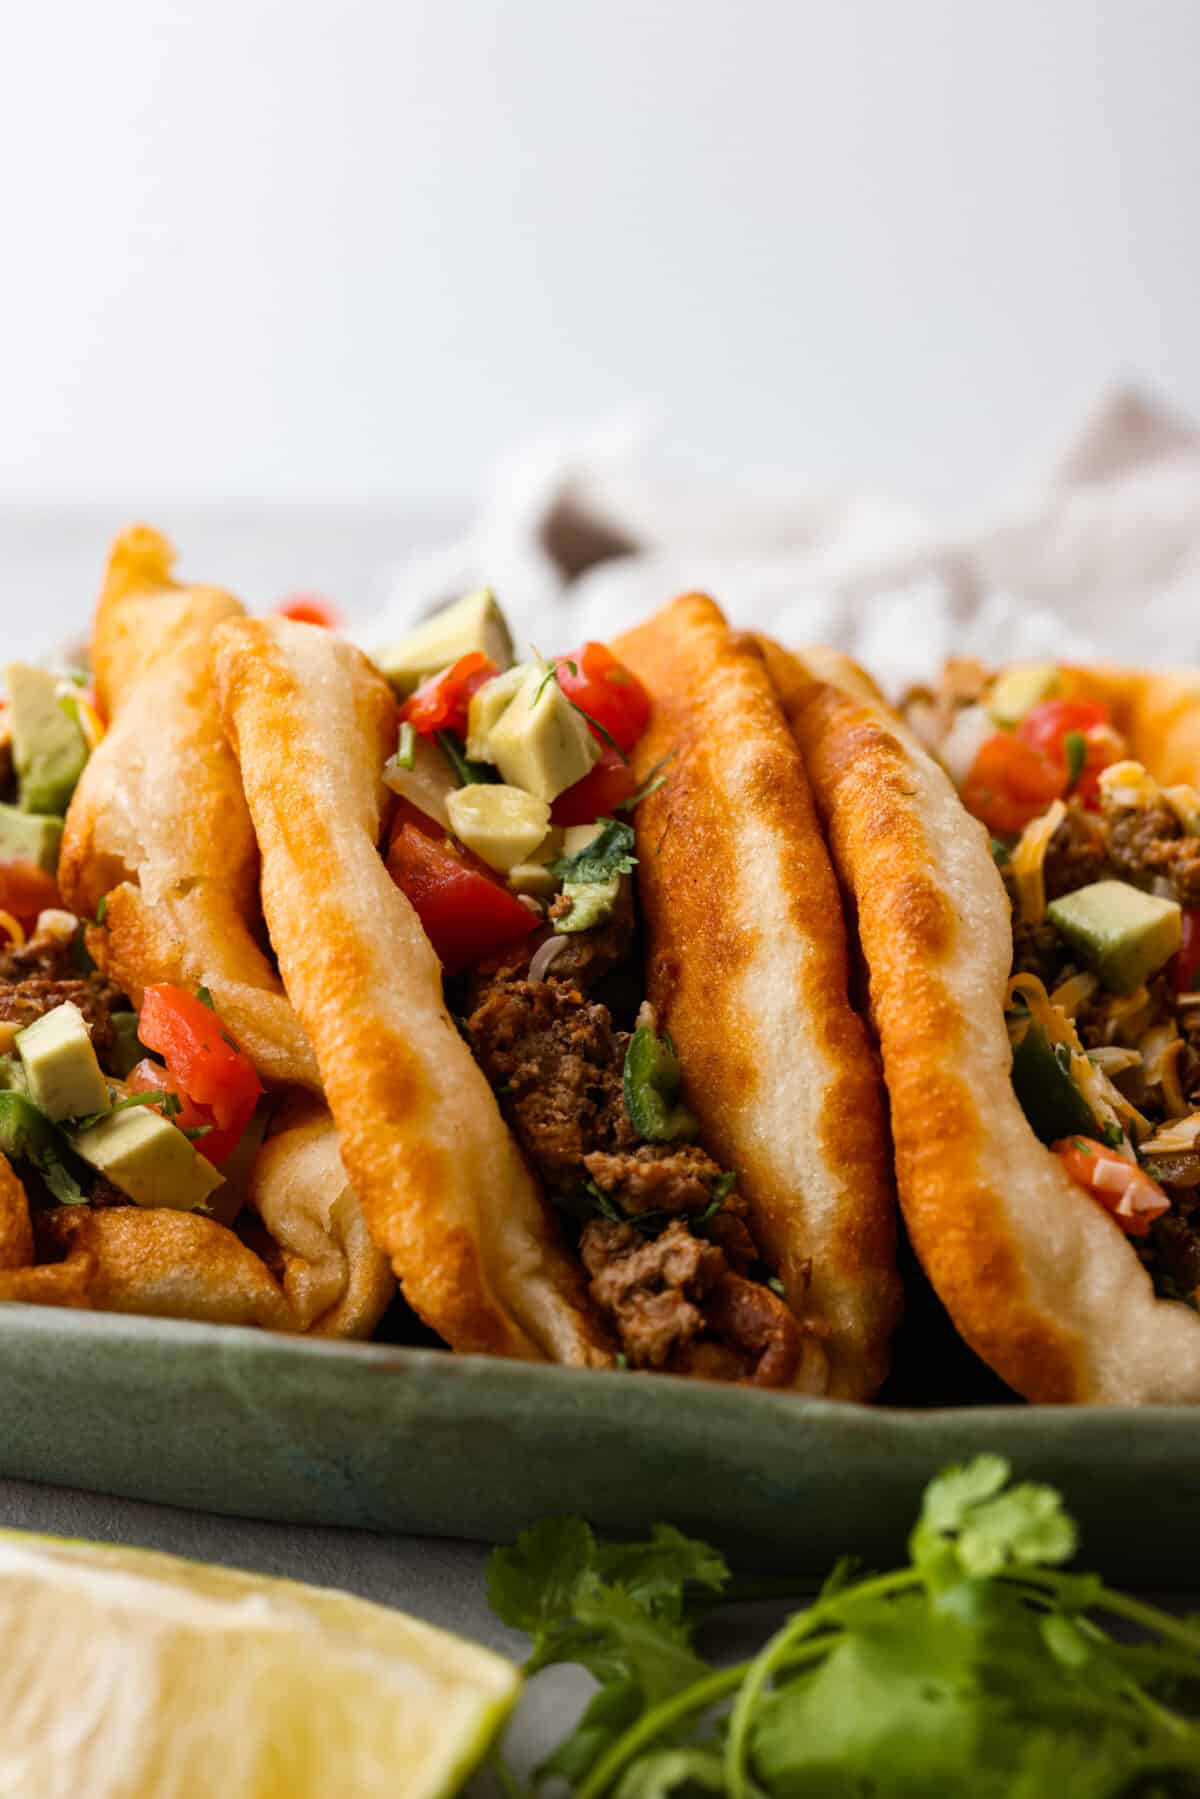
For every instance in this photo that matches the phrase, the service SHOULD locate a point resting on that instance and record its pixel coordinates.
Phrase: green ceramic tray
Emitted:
(417, 1440)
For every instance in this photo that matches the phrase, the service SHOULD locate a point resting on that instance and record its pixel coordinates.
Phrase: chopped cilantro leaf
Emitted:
(466, 772)
(205, 998)
(976, 1669)
(1001, 851)
(1113, 1135)
(1075, 745)
(654, 780)
(609, 853)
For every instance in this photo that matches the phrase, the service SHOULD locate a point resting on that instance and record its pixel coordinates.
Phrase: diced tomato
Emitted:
(464, 912)
(594, 680)
(1047, 726)
(610, 783)
(205, 1064)
(25, 891)
(310, 609)
(1186, 966)
(1120, 1186)
(216, 1144)
(1010, 783)
(443, 701)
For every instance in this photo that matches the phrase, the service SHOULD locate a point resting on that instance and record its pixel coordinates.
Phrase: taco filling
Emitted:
(1102, 867)
(100, 1106)
(512, 841)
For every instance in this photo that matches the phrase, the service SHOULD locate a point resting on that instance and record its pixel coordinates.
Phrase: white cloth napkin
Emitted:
(1097, 554)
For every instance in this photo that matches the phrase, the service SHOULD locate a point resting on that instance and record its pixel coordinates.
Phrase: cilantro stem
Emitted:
(1119, 1605)
(776, 1653)
(660, 1718)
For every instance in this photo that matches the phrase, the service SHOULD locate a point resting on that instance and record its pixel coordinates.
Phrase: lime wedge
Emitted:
(131, 1675)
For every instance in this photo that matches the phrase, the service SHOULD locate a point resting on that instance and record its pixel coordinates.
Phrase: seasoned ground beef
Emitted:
(657, 1177)
(1036, 950)
(678, 1299)
(42, 975)
(557, 1062)
(1145, 842)
(667, 1293)
(651, 1288)
(1076, 854)
(1176, 1247)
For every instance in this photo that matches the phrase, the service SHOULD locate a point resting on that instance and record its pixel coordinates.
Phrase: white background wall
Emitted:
(270, 249)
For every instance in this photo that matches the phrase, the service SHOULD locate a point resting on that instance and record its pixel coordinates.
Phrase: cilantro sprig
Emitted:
(980, 1668)
(609, 853)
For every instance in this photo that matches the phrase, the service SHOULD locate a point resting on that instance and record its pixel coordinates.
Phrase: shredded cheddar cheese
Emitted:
(1128, 784)
(1074, 992)
(1178, 1138)
(1028, 860)
(13, 928)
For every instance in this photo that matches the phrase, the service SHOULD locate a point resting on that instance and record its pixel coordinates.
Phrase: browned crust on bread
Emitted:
(164, 1264)
(158, 826)
(443, 1188)
(336, 1280)
(1036, 1277)
(747, 967)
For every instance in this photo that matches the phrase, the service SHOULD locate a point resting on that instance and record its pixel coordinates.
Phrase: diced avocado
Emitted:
(487, 707)
(12, 1075)
(427, 784)
(577, 837)
(1125, 935)
(1021, 687)
(540, 742)
(148, 1159)
(651, 1087)
(30, 837)
(473, 623)
(1049, 1098)
(592, 903)
(64, 1077)
(49, 749)
(126, 1049)
(535, 876)
(502, 825)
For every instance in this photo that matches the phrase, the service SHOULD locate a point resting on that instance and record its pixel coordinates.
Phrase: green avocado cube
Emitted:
(1019, 688)
(30, 837)
(540, 742)
(148, 1159)
(63, 1076)
(473, 623)
(49, 748)
(592, 903)
(1121, 933)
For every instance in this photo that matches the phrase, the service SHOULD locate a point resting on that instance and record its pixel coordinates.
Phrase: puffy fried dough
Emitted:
(164, 1264)
(338, 1283)
(747, 969)
(443, 1188)
(59, 1284)
(1037, 1277)
(158, 825)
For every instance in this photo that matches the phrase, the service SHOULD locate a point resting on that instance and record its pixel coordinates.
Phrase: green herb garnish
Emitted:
(1075, 746)
(467, 773)
(1001, 851)
(168, 1102)
(609, 853)
(406, 749)
(654, 780)
(979, 1669)
(1113, 1135)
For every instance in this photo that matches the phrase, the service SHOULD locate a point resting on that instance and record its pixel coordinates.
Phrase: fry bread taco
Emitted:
(1021, 850)
(567, 946)
(163, 1144)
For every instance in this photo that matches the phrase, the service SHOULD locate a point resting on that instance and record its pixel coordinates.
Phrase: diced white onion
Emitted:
(972, 727)
(544, 955)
